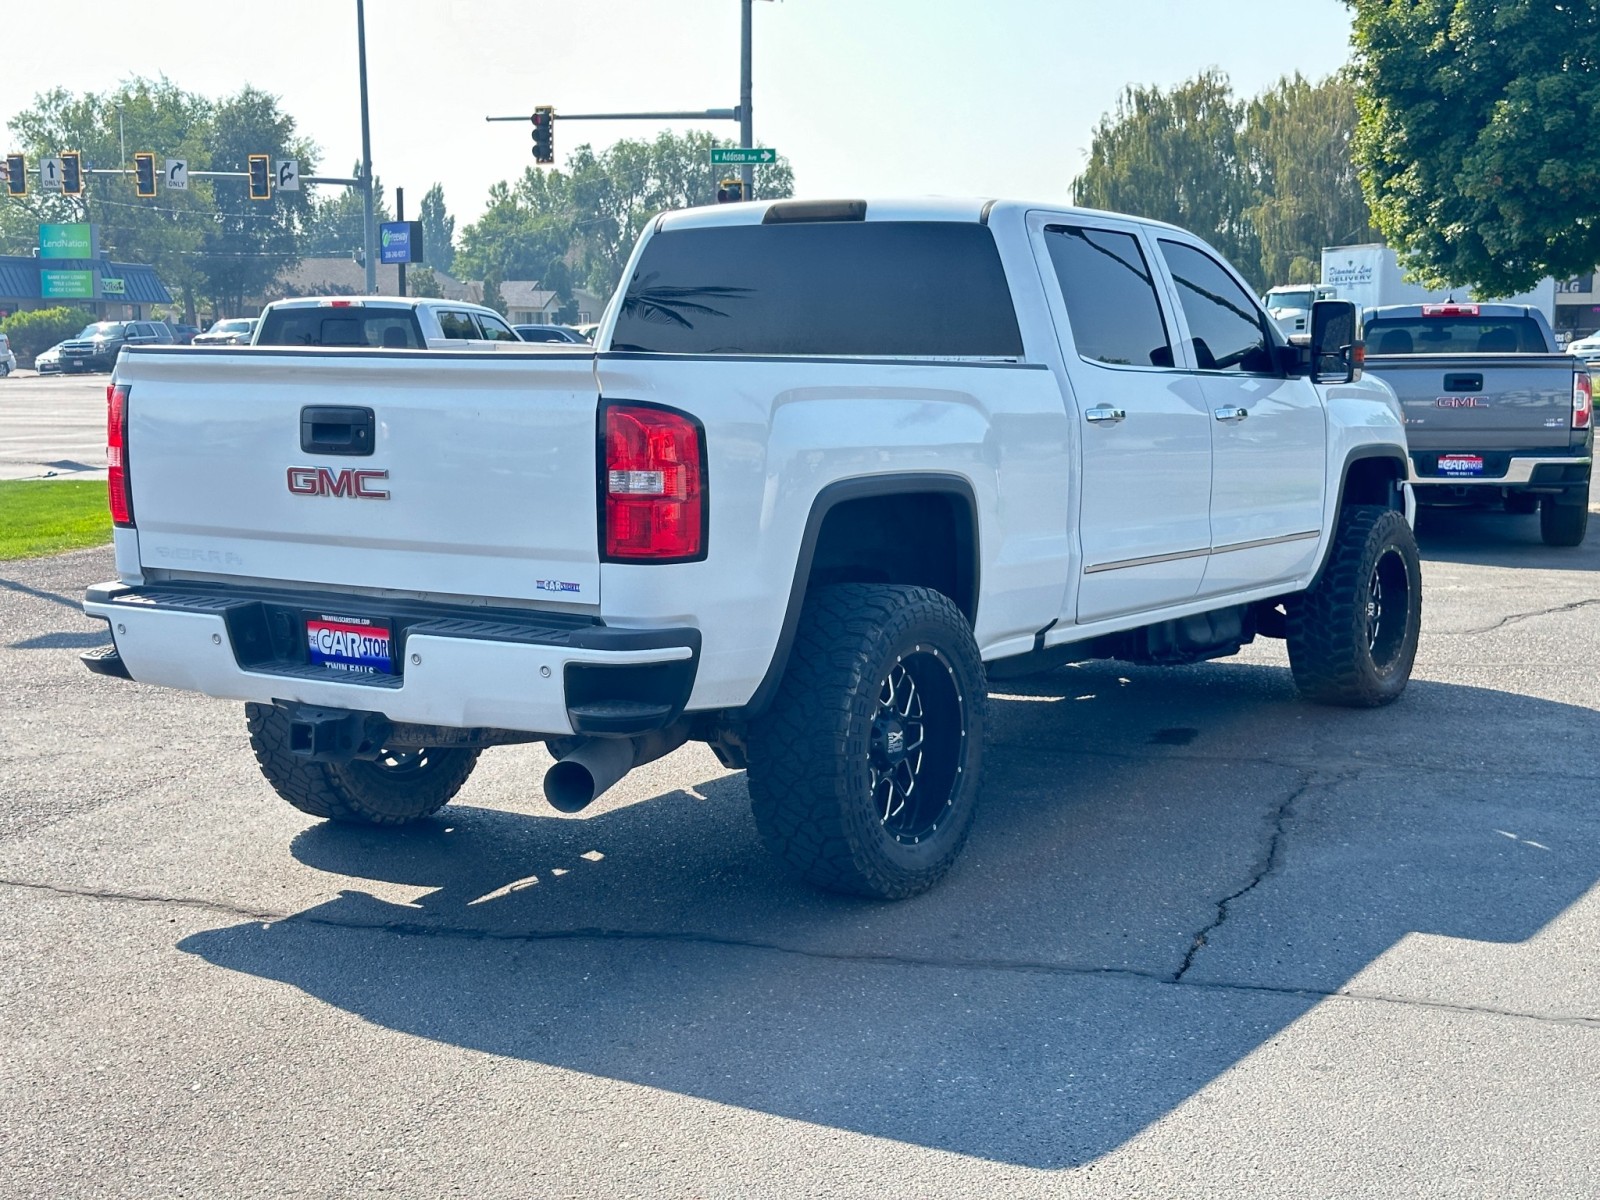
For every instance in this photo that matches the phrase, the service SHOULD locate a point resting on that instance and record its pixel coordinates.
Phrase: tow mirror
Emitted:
(1337, 350)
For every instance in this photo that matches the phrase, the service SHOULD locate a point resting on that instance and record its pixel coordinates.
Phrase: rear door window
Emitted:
(880, 288)
(1455, 335)
(496, 330)
(457, 326)
(394, 329)
(1110, 296)
(1227, 330)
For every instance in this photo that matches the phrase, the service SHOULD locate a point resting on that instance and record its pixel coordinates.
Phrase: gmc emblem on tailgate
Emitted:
(1461, 402)
(322, 481)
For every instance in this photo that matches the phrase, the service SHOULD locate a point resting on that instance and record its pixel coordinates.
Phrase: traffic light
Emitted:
(144, 175)
(71, 173)
(544, 131)
(730, 191)
(16, 175)
(260, 177)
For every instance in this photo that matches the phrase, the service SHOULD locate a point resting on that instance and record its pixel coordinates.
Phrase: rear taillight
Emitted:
(1582, 400)
(653, 485)
(118, 489)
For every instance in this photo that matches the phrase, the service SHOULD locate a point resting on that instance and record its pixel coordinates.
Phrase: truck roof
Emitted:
(884, 208)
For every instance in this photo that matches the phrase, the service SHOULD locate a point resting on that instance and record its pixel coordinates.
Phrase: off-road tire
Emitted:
(395, 789)
(1341, 649)
(824, 782)
(1563, 524)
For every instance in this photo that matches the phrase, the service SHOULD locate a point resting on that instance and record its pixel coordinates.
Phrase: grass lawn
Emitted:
(47, 516)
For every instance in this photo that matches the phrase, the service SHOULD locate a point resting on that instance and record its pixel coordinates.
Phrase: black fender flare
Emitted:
(903, 483)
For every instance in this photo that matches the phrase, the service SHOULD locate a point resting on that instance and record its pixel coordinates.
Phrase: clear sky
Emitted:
(864, 96)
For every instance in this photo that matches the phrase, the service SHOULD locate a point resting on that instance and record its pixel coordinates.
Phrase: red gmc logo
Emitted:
(323, 481)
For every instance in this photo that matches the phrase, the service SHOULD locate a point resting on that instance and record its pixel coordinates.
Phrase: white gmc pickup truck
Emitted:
(829, 467)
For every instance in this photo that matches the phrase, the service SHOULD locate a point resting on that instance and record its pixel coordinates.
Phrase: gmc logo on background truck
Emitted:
(322, 481)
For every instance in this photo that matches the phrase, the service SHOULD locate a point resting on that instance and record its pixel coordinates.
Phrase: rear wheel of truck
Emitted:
(864, 771)
(401, 785)
(1353, 637)
(1563, 524)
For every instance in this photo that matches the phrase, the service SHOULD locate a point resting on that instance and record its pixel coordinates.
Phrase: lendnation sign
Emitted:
(738, 156)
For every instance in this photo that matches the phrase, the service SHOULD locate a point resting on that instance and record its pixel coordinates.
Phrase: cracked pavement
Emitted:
(1205, 940)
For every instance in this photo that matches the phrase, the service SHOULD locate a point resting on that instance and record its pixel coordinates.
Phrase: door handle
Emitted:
(337, 430)
(1104, 414)
(1230, 413)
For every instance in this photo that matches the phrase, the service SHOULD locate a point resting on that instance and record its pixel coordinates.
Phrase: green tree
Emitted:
(164, 231)
(1177, 156)
(491, 293)
(1297, 139)
(335, 222)
(1477, 137)
(525, 228)
(420, 281)
(438, 230)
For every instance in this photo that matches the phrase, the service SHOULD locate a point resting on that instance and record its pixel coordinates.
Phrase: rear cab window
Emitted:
(899, 289)
(1455, 335)
(352, 325)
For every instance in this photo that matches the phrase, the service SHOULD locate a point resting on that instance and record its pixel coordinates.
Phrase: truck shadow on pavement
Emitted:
(1171, 869)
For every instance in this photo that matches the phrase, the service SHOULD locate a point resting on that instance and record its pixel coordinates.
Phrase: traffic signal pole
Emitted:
(746, 122)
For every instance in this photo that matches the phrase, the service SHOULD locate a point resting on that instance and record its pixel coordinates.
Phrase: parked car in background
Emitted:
(184, 334)
(384, 322)
(230, 331)
(48, 362)
(8, 360)
(549, 333)
(97, 347)
(586, 331)
(1587, 348)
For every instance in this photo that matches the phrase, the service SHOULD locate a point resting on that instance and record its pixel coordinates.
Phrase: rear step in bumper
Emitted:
(556, 682)
(1518, 471)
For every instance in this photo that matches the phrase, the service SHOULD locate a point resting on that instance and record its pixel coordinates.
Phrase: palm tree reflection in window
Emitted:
(646, 300)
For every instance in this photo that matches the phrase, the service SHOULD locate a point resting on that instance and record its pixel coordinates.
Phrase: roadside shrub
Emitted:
(34, 331)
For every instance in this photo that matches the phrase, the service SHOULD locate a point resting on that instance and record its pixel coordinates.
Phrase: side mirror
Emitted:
(1337, 350)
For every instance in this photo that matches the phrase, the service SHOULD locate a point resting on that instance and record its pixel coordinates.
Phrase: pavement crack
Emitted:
(1265, 867)
(1514, 618)
(866, 958)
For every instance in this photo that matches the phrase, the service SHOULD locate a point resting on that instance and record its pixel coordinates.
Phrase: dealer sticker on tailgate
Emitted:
(353, 644)
(1461, 464)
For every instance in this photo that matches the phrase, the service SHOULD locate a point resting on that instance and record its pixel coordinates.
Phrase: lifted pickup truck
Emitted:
(1495, 414)
(830, 463)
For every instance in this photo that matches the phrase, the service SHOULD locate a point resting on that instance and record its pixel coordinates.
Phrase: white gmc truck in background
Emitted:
(829, 467)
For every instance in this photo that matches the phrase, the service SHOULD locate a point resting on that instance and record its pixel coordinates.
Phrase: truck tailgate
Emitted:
(1481, 402)
(479, 480)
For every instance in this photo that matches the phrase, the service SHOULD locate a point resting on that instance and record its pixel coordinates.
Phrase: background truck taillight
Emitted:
(1582, 400)
(118, 489)
(652, 485)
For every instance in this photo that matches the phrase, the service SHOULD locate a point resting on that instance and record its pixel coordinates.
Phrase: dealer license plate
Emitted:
(354, 644)
(1461, 464)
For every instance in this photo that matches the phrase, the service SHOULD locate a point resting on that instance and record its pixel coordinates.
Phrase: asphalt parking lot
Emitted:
(1206, 941)
(53, 426)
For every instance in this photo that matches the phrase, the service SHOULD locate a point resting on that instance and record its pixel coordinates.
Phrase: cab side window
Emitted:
(1228, 331)
(457, 326)
(1110, 296)
(496, 330)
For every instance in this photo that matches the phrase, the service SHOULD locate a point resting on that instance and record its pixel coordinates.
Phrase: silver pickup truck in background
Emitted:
(1495, 414)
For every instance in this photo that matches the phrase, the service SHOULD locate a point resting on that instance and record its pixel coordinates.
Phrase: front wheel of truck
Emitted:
(1563, 524)
(401, 785)
(864, 771)
(1353, 637)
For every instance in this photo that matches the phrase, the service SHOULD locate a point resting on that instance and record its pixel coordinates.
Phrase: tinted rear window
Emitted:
(886, 288)
(392, 329)
(1455, 335)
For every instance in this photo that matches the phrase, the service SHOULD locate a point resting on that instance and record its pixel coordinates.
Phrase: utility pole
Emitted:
(746, 123)
(400, 215)
(369, 236)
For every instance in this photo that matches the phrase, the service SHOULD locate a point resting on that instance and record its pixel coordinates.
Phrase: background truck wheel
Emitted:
(864, 772)
(1353, 637)
(1563, 524)
(1522, 504)
(399, 786)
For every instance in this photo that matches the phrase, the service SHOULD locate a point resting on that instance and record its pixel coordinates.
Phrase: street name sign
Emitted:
(738, 156)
